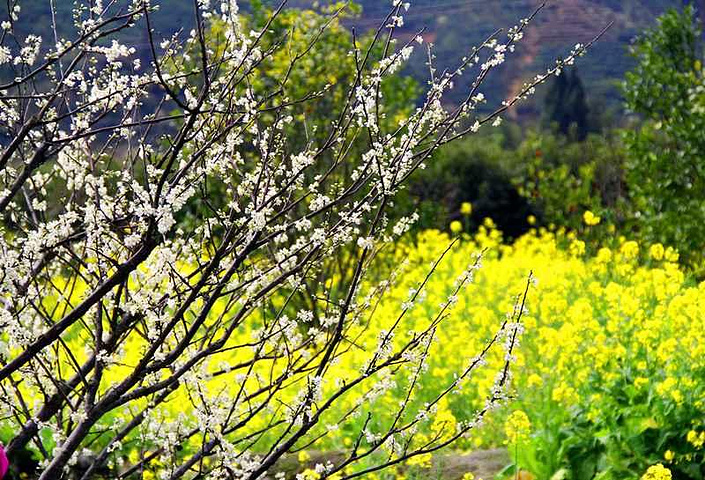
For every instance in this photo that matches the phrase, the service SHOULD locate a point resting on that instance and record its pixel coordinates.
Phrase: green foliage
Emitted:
(634, 429)
(326, 42)
(312, 73)
(666, 171)
(564, 178)
(476, 170)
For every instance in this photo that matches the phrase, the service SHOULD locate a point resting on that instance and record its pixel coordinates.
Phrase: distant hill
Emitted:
(453, 26)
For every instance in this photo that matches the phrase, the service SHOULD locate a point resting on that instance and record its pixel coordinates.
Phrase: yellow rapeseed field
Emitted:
(613, 349)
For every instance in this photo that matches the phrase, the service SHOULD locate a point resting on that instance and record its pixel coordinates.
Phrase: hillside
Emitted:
(453, 26)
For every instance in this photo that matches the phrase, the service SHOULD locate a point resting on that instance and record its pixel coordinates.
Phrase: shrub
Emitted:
(563, 178)
(477, 171)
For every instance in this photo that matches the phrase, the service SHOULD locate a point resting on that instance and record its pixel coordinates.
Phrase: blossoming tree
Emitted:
(133, 341)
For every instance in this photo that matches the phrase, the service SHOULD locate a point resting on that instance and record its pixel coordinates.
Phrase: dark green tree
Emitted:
(566, 105)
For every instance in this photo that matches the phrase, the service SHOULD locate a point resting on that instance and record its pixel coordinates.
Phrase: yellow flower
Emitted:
(640, 382)
(577, 247)
(456, 226)
(668, 385)
(531, 220)
(671, 255)
(469, 476)
(657, 251)
(423, 460)
(563, 394)
(443, 420)
(604, 255)
(534, 380)
(466, 208)
(657, 472)
(696, 440)
(304, 456)
(669, 455)
(310, 474)
(590, 218)
(517, 426)
(630, 249)
(133, 456)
